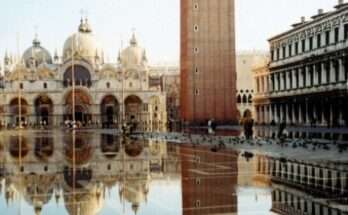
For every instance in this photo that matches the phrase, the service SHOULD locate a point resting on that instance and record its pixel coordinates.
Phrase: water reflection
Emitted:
(89, 173)
(79, 172)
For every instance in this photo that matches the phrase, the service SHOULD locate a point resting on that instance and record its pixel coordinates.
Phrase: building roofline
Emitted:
(315, 18)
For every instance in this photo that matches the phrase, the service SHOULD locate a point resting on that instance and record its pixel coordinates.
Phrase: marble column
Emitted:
(281, 81)
(300, 114)
(307, 114)
(323, 73)
(341, 70)
(281, 113)
(332, 72)
(276, 83)
(270, 113)
(294, 81)
(315, 74)
(276, 118)
(287, 79)
(300, 74)
(308, 77)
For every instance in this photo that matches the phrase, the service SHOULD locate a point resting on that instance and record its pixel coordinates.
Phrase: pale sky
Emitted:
(156, 22)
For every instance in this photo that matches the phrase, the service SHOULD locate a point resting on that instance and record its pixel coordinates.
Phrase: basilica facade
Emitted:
(44, 90)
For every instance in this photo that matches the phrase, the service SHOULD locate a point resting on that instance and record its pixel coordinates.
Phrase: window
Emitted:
(45, 85)
(196, 70)
(272, 55)
(21, 85)
(196, 50)
(310, 43)
(278, 53)
(195, 28)
(337, 34)
(239, 99)
(196, 92)
(108, 85)
(296, 48)
(327, 38)
(303, 44)
(346, 31)
(195, 6)
(284, 52)
(290, 50)
(198, 204)
(318, 40)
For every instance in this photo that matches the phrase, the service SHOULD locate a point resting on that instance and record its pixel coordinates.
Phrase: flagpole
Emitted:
(73, 82)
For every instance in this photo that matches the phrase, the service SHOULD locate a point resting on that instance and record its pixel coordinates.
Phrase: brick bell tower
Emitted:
(208, 65)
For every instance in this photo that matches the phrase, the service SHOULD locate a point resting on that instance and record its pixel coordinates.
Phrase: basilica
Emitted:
(43, 90)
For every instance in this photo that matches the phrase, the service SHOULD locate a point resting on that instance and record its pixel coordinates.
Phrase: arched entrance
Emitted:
(109, 111)
(82, 102)
(43, 110)
(133, 109)
(19, 111)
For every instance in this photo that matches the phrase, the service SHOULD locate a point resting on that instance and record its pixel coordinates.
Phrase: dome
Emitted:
(36, 53)
(133, 56)
(86, 202)
(83, 42)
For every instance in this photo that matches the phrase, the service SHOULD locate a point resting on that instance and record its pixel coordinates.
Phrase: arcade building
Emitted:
(306, 81)
(39, 89)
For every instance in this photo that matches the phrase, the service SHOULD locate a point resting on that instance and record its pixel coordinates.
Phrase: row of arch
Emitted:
(109, 108)
(244, 99)
(44, 147)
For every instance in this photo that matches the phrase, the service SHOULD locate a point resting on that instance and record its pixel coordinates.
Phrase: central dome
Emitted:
(133, 56)
(82, 43)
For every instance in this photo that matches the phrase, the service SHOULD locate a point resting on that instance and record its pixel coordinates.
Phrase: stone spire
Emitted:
(133, 40)
(36, 41)
(6, 59)
(119, 60)
(84, 26)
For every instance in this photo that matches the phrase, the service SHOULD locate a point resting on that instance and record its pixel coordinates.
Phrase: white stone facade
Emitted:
(307, 79)
(105, 93)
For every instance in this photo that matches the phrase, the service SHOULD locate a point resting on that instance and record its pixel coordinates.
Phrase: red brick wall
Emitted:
(216, 77)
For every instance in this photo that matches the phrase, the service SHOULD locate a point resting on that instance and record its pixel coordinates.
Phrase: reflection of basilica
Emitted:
(38, 89)
(39, 171)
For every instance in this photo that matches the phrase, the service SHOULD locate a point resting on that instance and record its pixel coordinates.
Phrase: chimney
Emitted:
(303, 19)
(320, 11)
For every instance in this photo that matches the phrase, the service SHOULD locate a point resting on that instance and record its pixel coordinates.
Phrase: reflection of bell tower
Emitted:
(208, 181)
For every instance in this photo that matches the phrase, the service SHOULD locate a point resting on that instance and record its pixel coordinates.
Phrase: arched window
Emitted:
(21, 85)
(108, 85)
(45, 85)
(239, 99)
(250, 99)
(81, 76)
(245, 100)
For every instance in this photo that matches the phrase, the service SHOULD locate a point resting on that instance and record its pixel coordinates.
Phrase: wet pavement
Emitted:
(97, 172)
